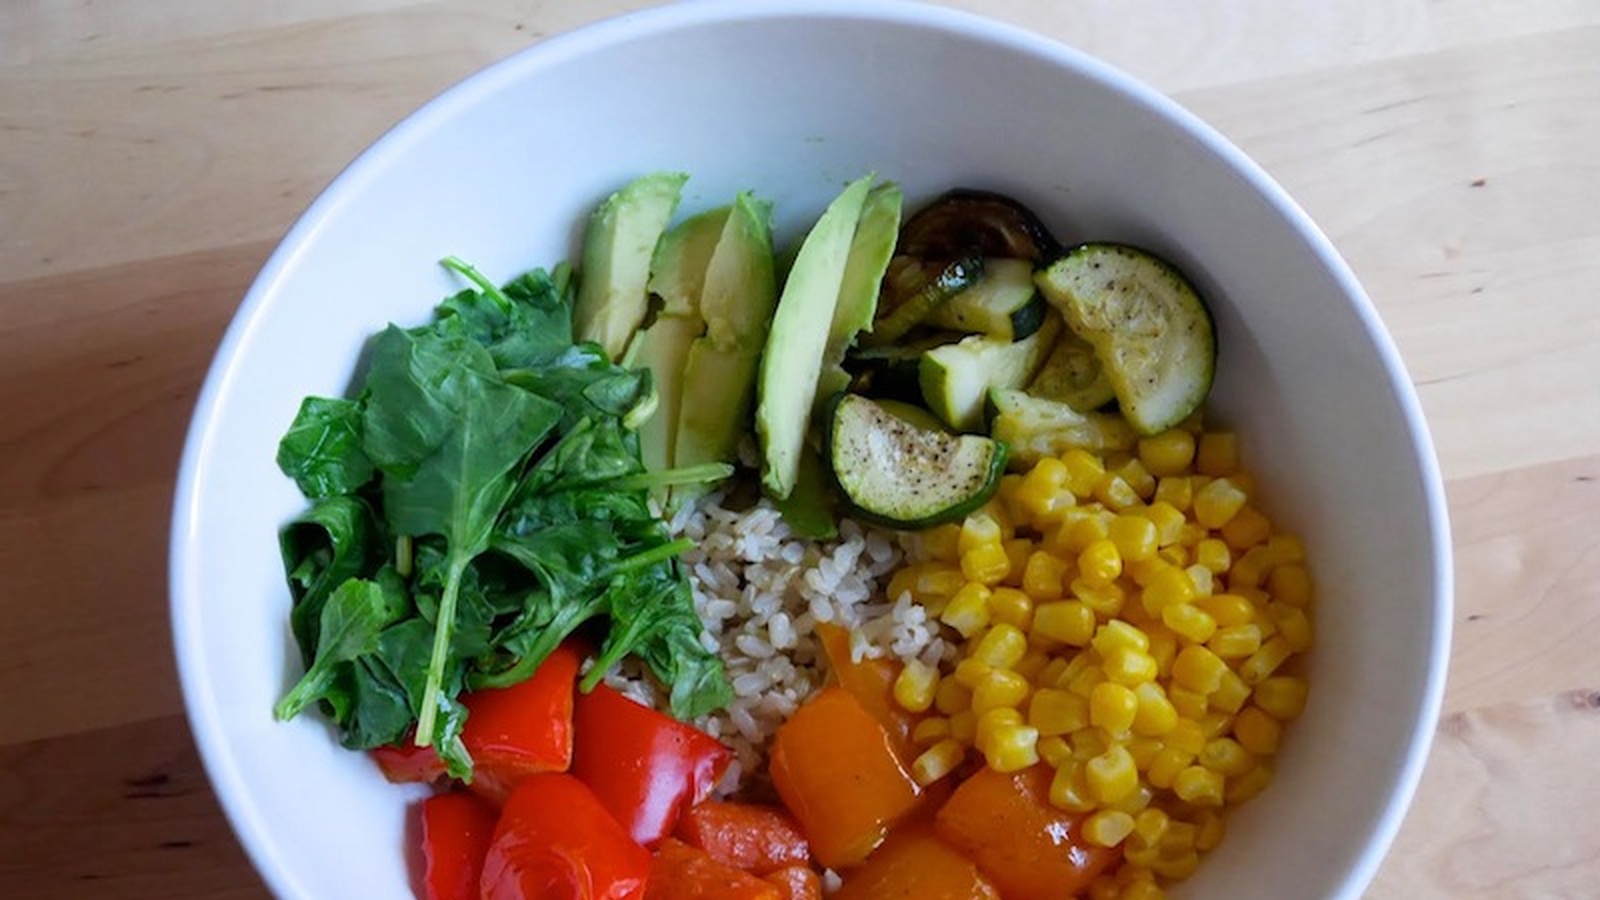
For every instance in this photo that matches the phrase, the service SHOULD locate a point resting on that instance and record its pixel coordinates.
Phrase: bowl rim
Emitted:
(201, 704)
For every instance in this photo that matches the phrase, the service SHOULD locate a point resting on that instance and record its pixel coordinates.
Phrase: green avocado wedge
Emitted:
(619, 244)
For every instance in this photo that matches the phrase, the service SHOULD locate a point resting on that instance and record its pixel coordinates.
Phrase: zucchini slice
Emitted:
(1034, 428)
(959, 275)
(1149, 328)
(1073, 375)
(897, 474)
(956, 378)
(1004, 303)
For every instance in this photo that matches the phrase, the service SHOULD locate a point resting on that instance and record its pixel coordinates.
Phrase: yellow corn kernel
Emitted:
(1199, 786)
(1180, 838)
(987, 564)
(1190, 622)
(1198, 669)
(1247, 528)
(1044, 576)
(1032, 664)
(1257, 732)
(1105, 600)
(1293, 624)
(1054, 750)
(1100, 563)
(1187, 736)
(1189, 704)
(1043, 492)
(1104, 887)
(914, 687)
(1088, 743)
(1055, 711)
(936, 584)
(1112, 707)
(1210, 828)
(1226, 757)
(1137, 477)
(1177, 868)
(1200, 577)
(1130, 667)
(1006, 492)
(1142, 889)
(1017, 551)
(979, 529)
(990, 723)
(1236, 641)
(1075, 667)
(1134, 803)
(1170, 452)
(1143, 750)
(1011, 607)
(964, 726)
(1176, 490)
(1231, 694)
(903, 581)
(937, 761)
(1274, 653)
(1084, 470)
(999, 688)
(1175, 555)
(1012, 748)
(1166, 765)
(951, 696)
(1214, 554)
(1286, 548)
(970, 671)
(1107, 828)
(1111, 775)
(1163, 647)
(1143, 857)
(1168, 521)
(1250, 570)
(1116, 634)
(1115, 492)
(1164, 587)
(1218, 502)
(1290, 584)
(1086, 680)
(1149, 826)
(1003, 645)
(1217, 453)
(1156, 715)
(1282, 697)
(968, 611)
(1069, 789)
(1227, 610)
(1247, 785)
(1080, 527)
(1052, 671)
(1135, 536)
(930, 730)
(1064, 622)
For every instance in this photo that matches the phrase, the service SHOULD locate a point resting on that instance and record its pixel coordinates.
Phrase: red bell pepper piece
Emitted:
(682, 872)
(554, 841)
(646, 767)
(748, 836)
(511, 733)
(456, 830)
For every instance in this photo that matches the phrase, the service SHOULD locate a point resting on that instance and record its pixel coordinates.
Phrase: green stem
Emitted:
(650, 557)
(700, 474)
(443, 630)
(489, 288)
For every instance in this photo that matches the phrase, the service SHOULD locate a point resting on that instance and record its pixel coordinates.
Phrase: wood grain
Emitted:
(152, 151)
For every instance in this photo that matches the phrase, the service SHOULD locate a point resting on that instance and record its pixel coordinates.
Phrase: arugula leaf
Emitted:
(322, 449)
(330, 543)
(653, 616)
(354, 616)
(526, 323)
(450, 435)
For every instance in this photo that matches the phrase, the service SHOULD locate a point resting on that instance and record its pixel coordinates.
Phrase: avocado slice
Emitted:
(618, 246)
(956, 378)
(664, 348)
(870, 251)
(795, 345)
(740, 288)
(678, 268)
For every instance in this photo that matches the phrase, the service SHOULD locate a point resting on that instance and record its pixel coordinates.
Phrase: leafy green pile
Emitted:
(478, 501)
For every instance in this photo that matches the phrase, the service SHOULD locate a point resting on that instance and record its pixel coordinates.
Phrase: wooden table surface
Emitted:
(152, 151)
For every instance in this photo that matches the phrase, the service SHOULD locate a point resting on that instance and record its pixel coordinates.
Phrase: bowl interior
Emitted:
(792, 100)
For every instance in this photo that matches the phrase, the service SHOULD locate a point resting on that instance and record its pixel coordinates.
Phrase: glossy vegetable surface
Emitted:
(646, 768)
(555, 841)
(871, 682)
(456, 831)
(914, 864)
(836, 770)
(753, 837)
(682, 872)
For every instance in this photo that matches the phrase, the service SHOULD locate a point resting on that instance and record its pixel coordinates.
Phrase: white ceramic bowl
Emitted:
(792, 99)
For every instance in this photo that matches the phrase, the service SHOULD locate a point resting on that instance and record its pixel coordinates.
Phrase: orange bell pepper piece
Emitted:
(914, 862)
(834, 767)
(870, 681)
(756, 838)
(797, 883)
(682, 872)
(1030, 849)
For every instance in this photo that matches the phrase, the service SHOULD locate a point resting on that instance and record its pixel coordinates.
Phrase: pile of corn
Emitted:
(1127, 621)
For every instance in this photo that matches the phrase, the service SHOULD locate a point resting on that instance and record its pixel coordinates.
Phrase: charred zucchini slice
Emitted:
(897, 474)
(1148, 326)
(965, 219)
(1033, 428)
(1004, 303)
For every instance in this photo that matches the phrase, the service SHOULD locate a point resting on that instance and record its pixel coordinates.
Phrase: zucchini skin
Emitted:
(995, 468)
